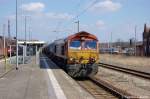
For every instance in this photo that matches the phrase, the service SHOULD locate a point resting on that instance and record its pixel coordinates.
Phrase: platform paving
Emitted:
(29, 82)
(2, 68)
(35, 81)
(70, 88)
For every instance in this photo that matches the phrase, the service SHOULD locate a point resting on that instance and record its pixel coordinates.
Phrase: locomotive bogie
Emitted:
(82, 70)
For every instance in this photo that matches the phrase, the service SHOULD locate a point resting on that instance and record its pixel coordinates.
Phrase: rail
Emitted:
(126, 70)
(96, 91)
(121, 94)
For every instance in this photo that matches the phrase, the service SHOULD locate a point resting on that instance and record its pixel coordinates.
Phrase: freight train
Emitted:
(78, 54)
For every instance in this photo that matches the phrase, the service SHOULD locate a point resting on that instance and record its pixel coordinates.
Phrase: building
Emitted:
(139, 48)
(146, 40)
(8, 42)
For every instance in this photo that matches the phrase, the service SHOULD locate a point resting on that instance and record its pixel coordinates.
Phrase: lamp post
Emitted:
(111, 43)
(25, 34)
(25, 41)
(4, 44)
(135, 40)
(4, 26)
(78, 23)
(16, 34)
(111, 47)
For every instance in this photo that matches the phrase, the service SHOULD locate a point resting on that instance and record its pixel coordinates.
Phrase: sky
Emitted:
(53, 19)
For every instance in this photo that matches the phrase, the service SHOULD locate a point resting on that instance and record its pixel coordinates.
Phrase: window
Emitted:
(76, 44)
(62, 50)
(55, 49)
(90, 44)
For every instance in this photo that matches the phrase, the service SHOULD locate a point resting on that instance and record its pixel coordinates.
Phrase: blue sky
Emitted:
(100, 17)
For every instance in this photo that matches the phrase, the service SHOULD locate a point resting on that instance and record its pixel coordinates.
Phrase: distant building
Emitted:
(146, 40)
(142, 47)
(139, 49)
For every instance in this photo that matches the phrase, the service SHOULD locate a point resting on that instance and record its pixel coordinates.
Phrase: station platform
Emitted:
(2, 67)
(5, 67)
(40, 79)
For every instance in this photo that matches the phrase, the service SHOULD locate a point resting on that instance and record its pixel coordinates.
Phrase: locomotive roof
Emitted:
(82, 34)
(59, 41)
(79, 34)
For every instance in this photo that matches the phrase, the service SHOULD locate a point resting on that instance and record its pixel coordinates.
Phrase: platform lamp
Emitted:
(4, 46)
(135, 51)
(16, 34)
(78, 23)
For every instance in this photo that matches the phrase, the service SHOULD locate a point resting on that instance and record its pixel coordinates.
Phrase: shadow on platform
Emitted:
(46, 63)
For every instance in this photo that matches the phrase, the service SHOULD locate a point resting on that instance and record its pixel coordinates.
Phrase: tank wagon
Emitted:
(78, 54)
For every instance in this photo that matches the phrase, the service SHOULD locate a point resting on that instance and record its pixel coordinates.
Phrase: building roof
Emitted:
(59, 41)
(31, 42)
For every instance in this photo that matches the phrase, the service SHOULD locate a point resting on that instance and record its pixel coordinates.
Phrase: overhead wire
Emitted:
(58, 27)
(79, 3)
(60, 23)
(82, 12)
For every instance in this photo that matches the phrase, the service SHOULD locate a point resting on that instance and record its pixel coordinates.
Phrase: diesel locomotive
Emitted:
(78, 54)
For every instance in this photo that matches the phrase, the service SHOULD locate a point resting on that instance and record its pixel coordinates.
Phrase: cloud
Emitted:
(33, 7)
(106, 6)
(100, 23)
(40, 21)
(61, 16)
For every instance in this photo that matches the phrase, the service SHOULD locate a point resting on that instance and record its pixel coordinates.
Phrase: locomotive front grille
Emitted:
(83, 57)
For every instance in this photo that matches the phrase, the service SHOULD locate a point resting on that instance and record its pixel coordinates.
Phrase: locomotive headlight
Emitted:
(92, 59)
(71, 59)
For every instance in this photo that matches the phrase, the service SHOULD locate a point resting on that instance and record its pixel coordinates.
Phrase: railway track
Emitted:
(100, 89)
(126, 70)
(95, 90)
(103, 90)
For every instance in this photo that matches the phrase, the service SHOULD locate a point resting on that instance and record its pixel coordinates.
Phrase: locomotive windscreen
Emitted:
(86, 44)
(76, 44)
(90, 44)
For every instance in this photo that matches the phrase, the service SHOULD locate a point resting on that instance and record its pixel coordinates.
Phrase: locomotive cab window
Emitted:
(91, 44)
(76, 44)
